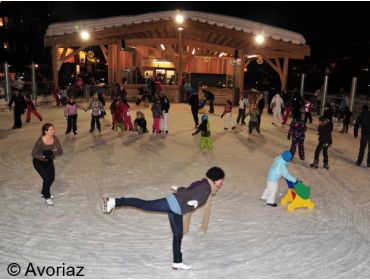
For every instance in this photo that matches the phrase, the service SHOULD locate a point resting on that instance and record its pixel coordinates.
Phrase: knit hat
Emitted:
(287, 156)
(215, 173)
(204, 118)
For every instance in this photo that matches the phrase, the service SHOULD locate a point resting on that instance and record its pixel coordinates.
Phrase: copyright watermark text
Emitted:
(33, 270)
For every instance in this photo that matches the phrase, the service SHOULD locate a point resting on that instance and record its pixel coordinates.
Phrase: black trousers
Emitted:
(71, 123)
(195, 116)
(324, 147)
(211, 108)
(160, 205)
(17, 120)
(47, 172)
(241, 116)
(253, 125)
(95, 119)
(365, 141)
(308, 116)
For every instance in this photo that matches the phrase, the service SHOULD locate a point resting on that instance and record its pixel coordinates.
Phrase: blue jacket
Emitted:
(278, 169)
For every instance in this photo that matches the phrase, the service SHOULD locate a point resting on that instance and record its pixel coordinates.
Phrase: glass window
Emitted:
(1, 22)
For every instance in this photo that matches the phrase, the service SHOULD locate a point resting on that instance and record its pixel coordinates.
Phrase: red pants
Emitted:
(37, 114)
(286, 114)
(156, 127)
(127, 123)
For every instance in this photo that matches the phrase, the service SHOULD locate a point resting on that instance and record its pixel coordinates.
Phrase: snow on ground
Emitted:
(245, 239)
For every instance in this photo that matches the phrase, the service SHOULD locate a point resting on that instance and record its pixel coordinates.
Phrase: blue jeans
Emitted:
(160, 205)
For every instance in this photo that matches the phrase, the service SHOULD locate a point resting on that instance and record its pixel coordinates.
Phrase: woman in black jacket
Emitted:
(183, 201)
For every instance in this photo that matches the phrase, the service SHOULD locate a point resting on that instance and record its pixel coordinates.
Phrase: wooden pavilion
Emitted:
(202, 43)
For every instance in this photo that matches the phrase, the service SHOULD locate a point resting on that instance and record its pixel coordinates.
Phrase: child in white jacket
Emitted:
(278, 169)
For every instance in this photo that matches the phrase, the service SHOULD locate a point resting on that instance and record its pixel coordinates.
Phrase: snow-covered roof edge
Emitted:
(229, 22)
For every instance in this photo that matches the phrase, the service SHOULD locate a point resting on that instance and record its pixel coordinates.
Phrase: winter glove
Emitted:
(193, 133)
(193, 203)
(222, 116)
(48, 154)
(174, 188)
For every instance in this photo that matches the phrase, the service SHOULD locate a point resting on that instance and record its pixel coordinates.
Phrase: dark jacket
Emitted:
(297, 130)
(199, 191)
(19, 104)
(261, 104)
(204, 129)
(209, 95)
(325, 131)
(363, 120)
(165, 104)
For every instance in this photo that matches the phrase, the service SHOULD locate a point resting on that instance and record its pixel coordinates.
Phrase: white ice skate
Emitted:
(51, 196)
(182, 266)
(108, 204)
(49, 201)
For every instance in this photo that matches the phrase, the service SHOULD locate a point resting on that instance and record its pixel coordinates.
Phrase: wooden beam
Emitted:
(54, 60)
(285, 72)
(104, 51)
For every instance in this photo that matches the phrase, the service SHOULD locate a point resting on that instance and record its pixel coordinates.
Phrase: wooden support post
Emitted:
(117, 64)
(241, 75)
(110, 64)
(181, 50)
(54, 61)
(285, 72)
(105, 52)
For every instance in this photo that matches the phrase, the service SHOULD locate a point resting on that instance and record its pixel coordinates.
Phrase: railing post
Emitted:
(325, 90)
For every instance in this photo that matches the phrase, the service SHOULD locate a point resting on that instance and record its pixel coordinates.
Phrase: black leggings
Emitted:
(47, 172)
(160, 205)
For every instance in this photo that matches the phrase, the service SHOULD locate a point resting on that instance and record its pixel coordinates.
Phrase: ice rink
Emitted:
(245, 238)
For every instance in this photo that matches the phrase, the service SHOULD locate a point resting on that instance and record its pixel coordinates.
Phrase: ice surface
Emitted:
(245, 238)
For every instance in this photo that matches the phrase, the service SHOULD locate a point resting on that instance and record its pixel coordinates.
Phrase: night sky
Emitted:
(337, 32)
(333, 29)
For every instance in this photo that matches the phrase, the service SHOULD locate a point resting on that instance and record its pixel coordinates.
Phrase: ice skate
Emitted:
(272, 204)
(49, 201)
(108, 204)
(182, 266)
(326, 166)
(51, 196)
(314, 165)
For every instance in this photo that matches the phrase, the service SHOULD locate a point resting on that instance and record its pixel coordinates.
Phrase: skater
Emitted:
(346, 116)
(194, 103)
(70, 113)
(228, 115)
(19, 108)
(278, 169)
(205, 130)
(165, 107)
(276, 106)
(127, 123)
(254, 120)
(183, 201)
(118, 115)
(31, 109)
(140, 123)
(46, 148)
(243, 104)
(308, 107)
(156, 110)
(363, 120)
(297, 133)
(96, 108)
(325, 140)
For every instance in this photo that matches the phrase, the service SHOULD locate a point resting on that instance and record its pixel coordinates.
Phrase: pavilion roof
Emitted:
(228, 22)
